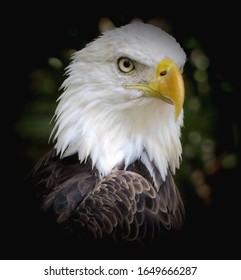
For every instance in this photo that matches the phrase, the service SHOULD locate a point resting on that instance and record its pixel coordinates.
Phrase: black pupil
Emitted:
(127, 63)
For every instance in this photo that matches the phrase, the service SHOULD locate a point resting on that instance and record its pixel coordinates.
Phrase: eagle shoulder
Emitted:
(125, 205)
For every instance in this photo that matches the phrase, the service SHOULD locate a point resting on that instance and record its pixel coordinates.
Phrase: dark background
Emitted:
(32, 35)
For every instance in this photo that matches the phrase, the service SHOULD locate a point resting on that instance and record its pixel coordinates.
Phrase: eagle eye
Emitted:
(125, 64)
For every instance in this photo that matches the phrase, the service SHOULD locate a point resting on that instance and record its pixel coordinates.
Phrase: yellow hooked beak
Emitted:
(167, 85)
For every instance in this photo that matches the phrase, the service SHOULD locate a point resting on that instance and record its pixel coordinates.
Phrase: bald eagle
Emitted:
(116, 139)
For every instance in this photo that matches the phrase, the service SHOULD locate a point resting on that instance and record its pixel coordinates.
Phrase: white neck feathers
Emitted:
(112, 133)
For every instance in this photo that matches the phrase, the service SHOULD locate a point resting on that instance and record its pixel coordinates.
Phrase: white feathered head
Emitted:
(123, 100)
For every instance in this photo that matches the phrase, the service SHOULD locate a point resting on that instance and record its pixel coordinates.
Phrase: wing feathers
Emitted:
(124, 205)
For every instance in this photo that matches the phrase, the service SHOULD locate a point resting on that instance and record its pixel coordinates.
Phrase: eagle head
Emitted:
(122, 100)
